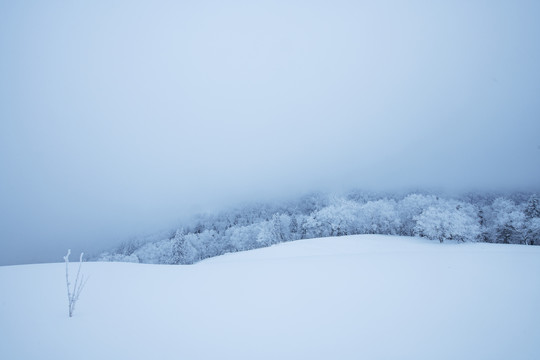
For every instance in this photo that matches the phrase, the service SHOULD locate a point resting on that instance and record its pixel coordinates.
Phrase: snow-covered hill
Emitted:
(355, 297)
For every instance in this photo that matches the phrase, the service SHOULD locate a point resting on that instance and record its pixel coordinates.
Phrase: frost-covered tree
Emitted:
(532, 209)
(448, 221)
(281, 227)
(294, 227)
(409, 208)
(338, 219)
(311, 227)
(211, 243)
(532, 221)
(483, 222)
(128, 247)
(245, 237)
(183, 251)
(533, 228)
(517, 224)
(379, 217)
(266, 234)
(508, 221)
(159, 252)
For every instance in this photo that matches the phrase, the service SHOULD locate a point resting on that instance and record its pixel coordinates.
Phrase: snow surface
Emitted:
(354, 297)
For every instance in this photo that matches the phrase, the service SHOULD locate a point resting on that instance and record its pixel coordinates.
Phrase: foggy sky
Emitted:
(118, 117)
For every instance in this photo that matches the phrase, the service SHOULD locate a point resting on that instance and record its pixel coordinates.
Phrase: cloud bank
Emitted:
(120, 117)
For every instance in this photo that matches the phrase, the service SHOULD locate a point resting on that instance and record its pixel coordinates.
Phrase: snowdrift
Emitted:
(355, 297)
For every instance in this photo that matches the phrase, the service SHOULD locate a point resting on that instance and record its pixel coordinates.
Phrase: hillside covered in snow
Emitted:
(349, 297)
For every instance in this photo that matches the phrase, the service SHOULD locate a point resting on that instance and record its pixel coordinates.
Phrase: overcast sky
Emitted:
(118, 117)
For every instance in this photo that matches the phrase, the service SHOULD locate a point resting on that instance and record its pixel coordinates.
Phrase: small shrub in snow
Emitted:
(74, 292)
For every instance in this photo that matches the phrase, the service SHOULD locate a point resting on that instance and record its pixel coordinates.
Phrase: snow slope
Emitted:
(355, 297)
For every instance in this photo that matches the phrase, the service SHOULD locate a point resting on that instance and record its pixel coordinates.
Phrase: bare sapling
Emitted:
(74, 292)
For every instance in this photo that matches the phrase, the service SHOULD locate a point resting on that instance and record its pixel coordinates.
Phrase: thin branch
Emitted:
(80, 281)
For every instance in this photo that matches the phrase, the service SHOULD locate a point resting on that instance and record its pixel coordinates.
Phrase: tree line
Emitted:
(494, 218)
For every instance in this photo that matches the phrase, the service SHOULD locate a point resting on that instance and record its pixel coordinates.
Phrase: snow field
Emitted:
(354, 297)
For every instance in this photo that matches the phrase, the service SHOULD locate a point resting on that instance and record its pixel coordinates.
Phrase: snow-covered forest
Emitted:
(493, 218)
